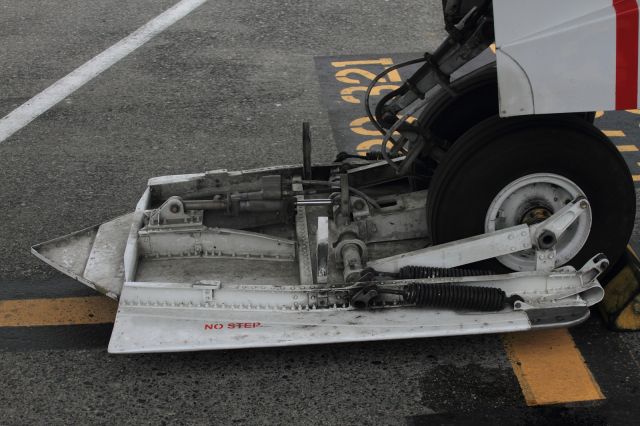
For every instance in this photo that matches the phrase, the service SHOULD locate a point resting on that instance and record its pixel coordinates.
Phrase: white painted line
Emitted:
(43, 101)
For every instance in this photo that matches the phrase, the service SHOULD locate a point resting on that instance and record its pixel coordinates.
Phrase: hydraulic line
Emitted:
(367, 105)
(357, 192)
(388, 136)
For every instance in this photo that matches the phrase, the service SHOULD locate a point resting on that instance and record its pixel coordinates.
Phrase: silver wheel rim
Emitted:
(529, 199)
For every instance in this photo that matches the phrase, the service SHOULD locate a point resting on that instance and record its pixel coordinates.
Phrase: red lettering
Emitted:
(232, 325)
(213, 326)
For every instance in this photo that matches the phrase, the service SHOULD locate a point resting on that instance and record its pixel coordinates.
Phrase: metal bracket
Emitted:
(545, 260)
(172, 213)
(304, 244)
(322, 250)
(207, 286)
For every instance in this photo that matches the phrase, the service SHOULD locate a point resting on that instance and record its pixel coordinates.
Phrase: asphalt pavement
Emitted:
(225, 87)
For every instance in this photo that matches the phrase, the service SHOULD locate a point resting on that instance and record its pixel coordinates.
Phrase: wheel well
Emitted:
(477, 99)
(449, 117)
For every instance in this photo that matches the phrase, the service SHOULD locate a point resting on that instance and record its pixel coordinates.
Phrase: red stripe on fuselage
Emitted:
(626, 53)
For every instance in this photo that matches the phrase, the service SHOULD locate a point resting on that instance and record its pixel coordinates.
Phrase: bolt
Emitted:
(358, 204)
(174, 208)
(584, 204)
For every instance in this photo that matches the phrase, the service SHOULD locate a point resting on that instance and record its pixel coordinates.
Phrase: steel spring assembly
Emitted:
(417, 272)
(455, 296)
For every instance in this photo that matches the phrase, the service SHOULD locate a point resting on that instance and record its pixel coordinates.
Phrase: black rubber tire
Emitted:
(498, 151)
(449, 117)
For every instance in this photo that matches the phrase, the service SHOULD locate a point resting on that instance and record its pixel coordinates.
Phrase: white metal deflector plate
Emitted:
(94, 256)
(148, 324)
(140, 329)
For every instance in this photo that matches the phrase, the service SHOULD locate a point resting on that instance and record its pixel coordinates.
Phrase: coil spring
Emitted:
(417, 272)
(455, 296)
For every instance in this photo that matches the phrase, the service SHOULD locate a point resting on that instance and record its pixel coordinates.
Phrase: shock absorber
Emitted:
(455, 296)
(436, 295)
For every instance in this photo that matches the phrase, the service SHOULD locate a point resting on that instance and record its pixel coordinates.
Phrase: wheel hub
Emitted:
(535, 215)
(532, 199)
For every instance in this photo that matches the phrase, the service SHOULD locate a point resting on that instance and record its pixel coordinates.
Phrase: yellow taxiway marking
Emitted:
(63, 311)
(614, 133)
(550, 368)
(627, 148)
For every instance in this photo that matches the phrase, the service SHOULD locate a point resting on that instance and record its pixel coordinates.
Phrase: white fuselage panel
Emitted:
(557, 56)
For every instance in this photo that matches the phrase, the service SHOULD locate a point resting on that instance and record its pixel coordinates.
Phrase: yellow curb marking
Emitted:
(550, 368)
(63, 311)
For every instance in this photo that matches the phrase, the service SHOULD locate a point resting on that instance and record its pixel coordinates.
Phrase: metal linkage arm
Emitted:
(460, 252)
(542, 237)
